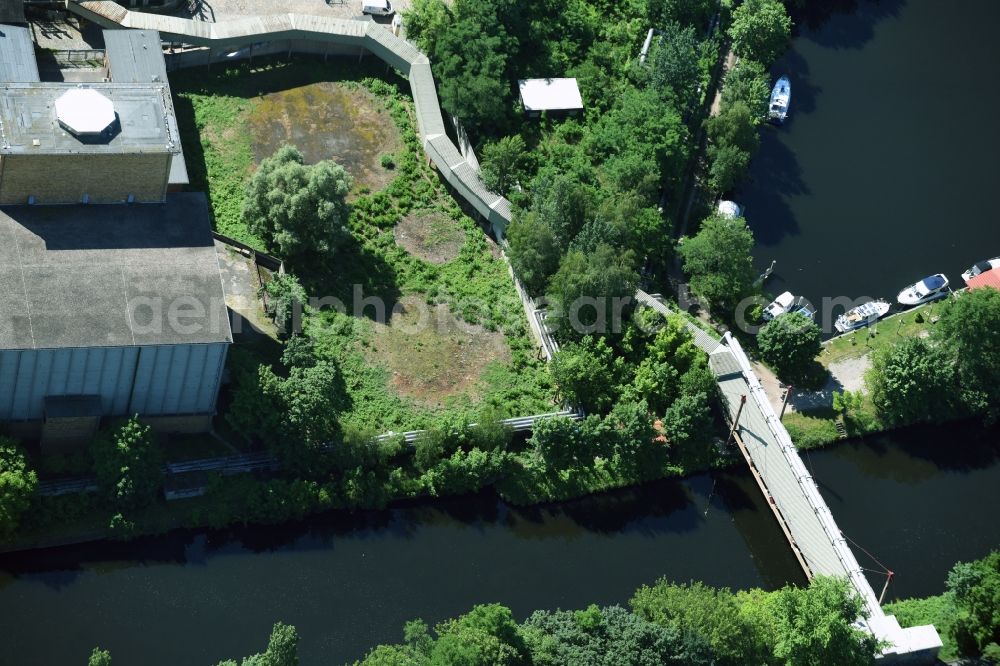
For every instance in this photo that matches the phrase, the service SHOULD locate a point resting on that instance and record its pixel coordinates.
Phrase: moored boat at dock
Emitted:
(981, 267)
(928, 289)
(863, 315)
(781, 97)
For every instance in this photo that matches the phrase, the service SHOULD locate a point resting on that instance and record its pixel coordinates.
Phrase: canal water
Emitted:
(917, 501)
(886, 170)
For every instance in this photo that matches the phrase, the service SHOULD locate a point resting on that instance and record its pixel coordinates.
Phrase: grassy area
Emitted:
(410, 243)
(811, 430)
(937, 610)
(887, 333)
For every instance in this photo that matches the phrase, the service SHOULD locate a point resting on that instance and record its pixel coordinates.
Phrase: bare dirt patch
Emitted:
(430, 235)
(328, 121)
(433, 355)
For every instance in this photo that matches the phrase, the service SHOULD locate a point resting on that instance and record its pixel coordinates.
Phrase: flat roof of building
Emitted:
(111, 275)
(135, 56)
(17, 55)
(550, 94)
(29, 124)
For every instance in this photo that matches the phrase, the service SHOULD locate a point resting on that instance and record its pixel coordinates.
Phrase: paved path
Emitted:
(223, 10)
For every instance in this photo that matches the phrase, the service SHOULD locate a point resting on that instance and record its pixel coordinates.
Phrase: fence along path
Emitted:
(369, 35)
(789, 488)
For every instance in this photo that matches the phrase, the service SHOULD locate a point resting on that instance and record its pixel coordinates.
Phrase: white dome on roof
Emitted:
(84, 111)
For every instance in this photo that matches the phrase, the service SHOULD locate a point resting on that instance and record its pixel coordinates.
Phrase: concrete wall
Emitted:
(165, 380)
(105, 178)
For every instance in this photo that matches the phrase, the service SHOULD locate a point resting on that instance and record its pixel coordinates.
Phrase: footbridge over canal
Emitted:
(805, 519)
(791, 492)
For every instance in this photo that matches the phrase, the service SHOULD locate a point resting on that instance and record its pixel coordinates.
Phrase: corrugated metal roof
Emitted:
(17, 55)
(135, 56)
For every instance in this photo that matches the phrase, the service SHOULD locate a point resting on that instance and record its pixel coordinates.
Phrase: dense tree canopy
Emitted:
(760, 30)
(790, 343)
(127, 463)
(912, 382)
(282, 649)
(975, 589)
(748, 82)
(962, 331)
(299, 210)
(718, 259)
(591, 291)
(675, 70)
(585, 374)
(668, 624)
(534, 251)
(17, 485)
(503, 163)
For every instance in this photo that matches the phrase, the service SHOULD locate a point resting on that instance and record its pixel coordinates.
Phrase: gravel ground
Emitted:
(847, 375)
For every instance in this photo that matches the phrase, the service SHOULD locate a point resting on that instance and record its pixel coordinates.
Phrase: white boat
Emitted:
(981, 267)
(863, 315)
(730, 209)
(786, 303)
(928, 289)
(781, 97)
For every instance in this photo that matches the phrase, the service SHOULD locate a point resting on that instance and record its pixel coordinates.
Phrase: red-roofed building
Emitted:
(987, 279)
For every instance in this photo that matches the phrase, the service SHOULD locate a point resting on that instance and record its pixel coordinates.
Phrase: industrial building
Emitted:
(111, 141)
(105, 310)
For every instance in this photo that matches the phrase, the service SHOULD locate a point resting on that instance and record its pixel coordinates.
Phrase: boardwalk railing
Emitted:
(262, 461)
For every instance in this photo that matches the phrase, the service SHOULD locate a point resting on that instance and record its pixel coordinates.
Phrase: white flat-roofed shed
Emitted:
(550, 95)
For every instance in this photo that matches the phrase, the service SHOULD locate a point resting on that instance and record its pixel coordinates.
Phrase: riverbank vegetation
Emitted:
(664, 623)
(935, 365)
(967, 615)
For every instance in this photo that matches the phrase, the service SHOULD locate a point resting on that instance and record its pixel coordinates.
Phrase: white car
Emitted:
(376, 7)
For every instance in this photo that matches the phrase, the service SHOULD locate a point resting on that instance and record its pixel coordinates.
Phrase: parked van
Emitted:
(376, 7)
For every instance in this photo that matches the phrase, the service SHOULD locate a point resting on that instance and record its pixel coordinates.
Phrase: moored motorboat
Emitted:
(781, 98)
(981, 267)
(786, 303)
(863, 315)
(779, 306)
(928, 289)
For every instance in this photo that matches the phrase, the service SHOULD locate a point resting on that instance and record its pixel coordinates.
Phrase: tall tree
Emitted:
(813, 625)
(591, 292)
(964, 330)
(127, 463)
(585, 373)
(760, 30)
(911, 382)
(718, 260)
(975, 588)
(791, 344)
(17, 485)
(674, 68)
(298, 210)
(504, 163)
(99, 657)
(748, 82)
(533, 251)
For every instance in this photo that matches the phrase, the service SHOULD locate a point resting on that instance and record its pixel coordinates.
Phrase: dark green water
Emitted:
(887, 168)
(918, 501)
